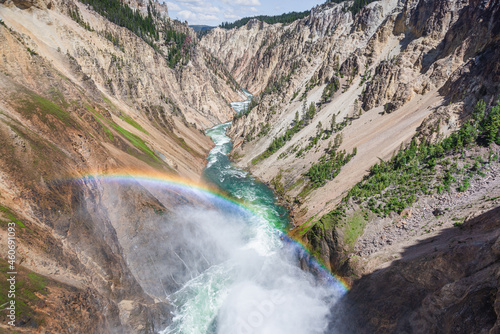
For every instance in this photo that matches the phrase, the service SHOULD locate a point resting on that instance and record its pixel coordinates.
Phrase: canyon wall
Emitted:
(81, 95)
(367, 85)
(392, 56)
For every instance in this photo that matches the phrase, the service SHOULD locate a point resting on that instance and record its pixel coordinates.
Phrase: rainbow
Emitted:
(173, 182)
(209, 192)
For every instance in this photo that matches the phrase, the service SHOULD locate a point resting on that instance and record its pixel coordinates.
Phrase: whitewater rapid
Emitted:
(253, 283)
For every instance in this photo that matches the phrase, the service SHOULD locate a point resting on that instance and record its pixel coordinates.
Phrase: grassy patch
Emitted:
(354, 227)
(136, 125)
(38, 282)
(136, 141)
(133, 139)
(36, 104)
(306, 191)
(182, 143)
(28, 286)
(11, 216)
(296, 184)
(260, 157)
(306, 226)
(57, 96)
(106, 130)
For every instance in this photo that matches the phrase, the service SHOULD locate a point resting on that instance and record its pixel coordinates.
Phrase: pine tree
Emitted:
(333, 123)
(319, 129)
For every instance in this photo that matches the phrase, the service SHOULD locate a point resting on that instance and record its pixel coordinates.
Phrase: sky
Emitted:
(214, 12)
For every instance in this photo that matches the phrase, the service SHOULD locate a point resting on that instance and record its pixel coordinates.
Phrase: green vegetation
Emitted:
(179, 44)
(314, 140)
(313, 82)
(366, 76)
(277, 86)
(489, 126)
(113, 39)
(283, 18)
(354, 227)
(355, 7)
(74, 13)
(36, 104)
(121, 14)
(146, 27)
(324, 134)
(130, 121)
(133, 139)
(394, 185)
(216, 66)
(418, 169)
(424, 168)
(279, 142)
(31, 52)
(11, 217)
(58, 97)
(29, 286)
(328, 167)
(277, 184)
(106, 130)
(136, 141)
(331, 87)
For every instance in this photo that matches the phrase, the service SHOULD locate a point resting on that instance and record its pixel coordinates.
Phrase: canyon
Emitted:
(84, 97)
(84, 100)
(402, 69)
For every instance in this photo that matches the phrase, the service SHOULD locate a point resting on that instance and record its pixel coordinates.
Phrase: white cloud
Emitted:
(248, 2)
(230, 16)
(205, 10)
(186, 15)
(243, 2)
(196, 18)
(197, 2)
(173, 6)
(213, 12)
(203, 17)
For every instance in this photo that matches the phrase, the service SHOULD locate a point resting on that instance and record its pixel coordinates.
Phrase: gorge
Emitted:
(356, 191)
(258, 285)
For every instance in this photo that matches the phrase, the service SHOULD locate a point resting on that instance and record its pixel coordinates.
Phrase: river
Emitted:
(257, 286)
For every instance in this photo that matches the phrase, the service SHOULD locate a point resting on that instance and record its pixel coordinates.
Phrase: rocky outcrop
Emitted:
(397, 63)
(399, 68)
(123, 66)
(24, 4)
(80, 95)
(142, 6)
(444, 284)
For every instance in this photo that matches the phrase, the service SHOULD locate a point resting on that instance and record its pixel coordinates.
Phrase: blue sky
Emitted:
(216, 11)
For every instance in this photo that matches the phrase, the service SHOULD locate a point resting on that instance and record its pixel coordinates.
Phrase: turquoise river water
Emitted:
(256, 286)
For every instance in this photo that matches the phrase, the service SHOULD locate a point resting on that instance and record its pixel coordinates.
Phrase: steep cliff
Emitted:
(447, 283)
(81, 95)
(392, 56)
(338, 93)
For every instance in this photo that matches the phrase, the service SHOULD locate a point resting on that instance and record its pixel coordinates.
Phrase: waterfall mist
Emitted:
(253, 283)
(224, 267)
